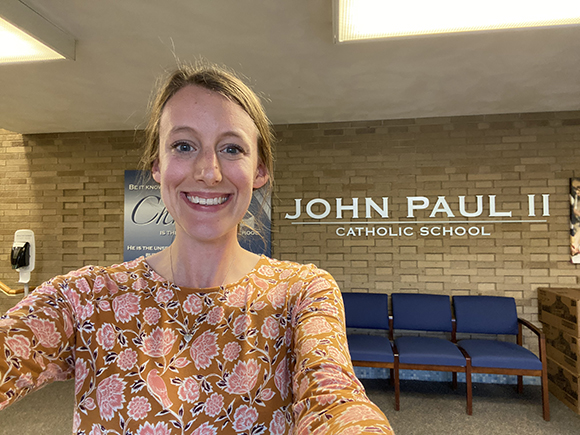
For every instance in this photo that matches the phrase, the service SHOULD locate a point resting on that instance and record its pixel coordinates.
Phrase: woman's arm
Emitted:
(36, 343)
(328, 398)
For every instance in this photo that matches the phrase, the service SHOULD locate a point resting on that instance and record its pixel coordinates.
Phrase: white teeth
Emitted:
(207, 201)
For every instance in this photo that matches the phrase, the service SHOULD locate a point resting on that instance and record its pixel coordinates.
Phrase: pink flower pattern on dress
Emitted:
(215, 315)
(140, 284)
(278, 424)
(238, 296)
(83, 285)
(282, 377)
(138, 408)
(244, 418)
(19, 345)
(225, 360)
(110, 397)
(126, 307)
(106, 336)
(356, 413)
(205, 429)
(121, 277)
(105, 305)
(157, 429)
(188, 390)
(192, 305)
(96, 430)
(25, 381)
(151, 315)
(45, 332)
(90, 404)
(99, 284)
(127, 359)
(204, 349)
(331, 378)
(159, 342)
(243, 377)
(164, 295)
(277, 295)
(270, 328)
(81, 373)
(232, 351)
(241, 324)
(214, 404)
(316, 326)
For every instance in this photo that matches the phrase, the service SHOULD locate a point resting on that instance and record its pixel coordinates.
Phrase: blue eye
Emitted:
(233, 149)
(183, 147)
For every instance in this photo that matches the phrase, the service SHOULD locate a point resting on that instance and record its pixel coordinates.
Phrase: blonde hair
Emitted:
(225, 83)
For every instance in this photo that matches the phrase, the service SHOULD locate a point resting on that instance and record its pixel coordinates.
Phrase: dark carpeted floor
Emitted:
(427, 408)
(433, 408)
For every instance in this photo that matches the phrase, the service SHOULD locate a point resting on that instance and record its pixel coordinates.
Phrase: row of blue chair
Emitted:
(492, 315)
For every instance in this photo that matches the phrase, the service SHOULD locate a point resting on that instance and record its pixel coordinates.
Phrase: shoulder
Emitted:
(283, 268)
(296, 275)
(89, 279)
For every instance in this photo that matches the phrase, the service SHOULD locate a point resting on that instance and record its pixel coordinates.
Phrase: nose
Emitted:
(207, 167)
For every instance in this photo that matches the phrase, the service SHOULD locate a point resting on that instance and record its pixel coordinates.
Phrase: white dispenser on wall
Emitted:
(22, 256)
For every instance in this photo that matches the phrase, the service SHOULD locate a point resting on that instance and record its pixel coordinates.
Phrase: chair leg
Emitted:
(520, 384)
(469, 388)
(454, 382)
(392, 377)
(397, 386)
(545, 394)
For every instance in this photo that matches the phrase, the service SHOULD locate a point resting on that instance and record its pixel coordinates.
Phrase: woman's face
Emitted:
(208, 163)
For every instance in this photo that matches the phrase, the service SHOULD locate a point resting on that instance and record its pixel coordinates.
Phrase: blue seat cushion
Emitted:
(370, 348)
(366, 310)
(486, 314)
(500, 354)
(429, 350)
(421, 312)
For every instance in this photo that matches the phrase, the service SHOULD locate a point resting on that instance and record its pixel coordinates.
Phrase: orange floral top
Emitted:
(265, 355)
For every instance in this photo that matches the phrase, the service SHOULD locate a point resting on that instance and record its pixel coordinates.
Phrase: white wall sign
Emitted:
(472, 216)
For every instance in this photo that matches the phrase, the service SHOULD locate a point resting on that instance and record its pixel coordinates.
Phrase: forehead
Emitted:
(197, 107)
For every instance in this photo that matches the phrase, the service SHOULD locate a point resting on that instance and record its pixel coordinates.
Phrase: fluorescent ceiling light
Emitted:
(26, 36)
(374, 19)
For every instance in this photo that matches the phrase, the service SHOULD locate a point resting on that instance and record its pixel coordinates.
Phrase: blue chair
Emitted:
(497, 315)
(428, 312)
(371, 311)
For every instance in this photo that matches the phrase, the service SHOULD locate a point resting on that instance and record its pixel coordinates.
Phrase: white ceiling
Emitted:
(287, 51)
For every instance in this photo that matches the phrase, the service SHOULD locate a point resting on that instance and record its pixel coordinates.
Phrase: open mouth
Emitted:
(207, 201)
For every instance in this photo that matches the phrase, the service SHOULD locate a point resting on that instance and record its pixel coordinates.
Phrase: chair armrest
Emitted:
(541, 338)
(531, 326)
(395, 350)
(465, 355)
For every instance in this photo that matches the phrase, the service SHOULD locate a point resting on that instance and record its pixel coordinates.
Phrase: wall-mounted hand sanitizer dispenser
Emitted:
(23, 254)
(20, 255)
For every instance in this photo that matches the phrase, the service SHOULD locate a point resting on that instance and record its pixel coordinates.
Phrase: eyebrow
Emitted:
(228, 133)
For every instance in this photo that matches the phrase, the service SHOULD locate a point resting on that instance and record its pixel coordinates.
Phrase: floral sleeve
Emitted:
(328, 398)
(36, 343)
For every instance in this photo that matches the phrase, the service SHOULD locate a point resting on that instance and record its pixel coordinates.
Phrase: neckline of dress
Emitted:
(263, 259)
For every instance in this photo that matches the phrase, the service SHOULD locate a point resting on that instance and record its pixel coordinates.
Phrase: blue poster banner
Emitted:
(149, 228)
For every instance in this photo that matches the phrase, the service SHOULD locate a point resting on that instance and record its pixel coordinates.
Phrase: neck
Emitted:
(188, 265)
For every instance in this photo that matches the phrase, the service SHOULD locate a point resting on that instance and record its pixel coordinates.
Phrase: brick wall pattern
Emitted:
(68, 188)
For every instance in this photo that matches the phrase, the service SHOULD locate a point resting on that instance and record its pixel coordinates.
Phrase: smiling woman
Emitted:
(203, 337)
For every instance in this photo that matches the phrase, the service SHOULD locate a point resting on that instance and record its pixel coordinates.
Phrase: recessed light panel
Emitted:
(356, 20)
(27, 36)
(18, 46)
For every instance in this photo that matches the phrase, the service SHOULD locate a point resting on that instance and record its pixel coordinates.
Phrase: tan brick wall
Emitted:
(68, 188)
(509, 156)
